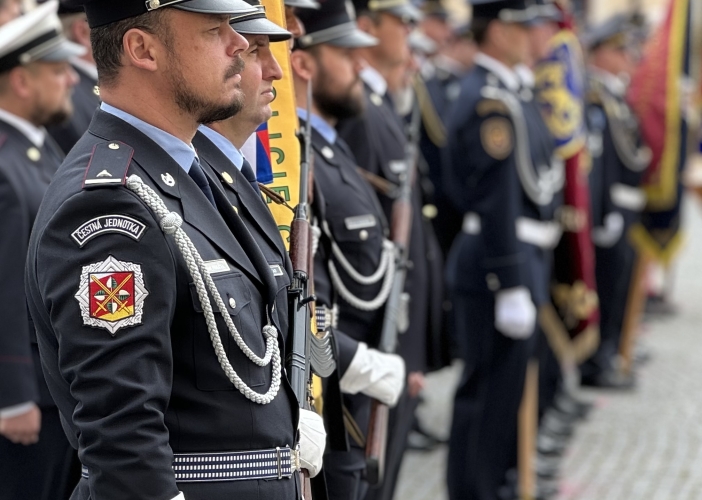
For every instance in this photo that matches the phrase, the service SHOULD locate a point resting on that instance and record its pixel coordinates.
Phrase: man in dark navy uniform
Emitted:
(35, 90)
(619, 163)
(86, 95)
(353, 259)
(500, 174)
(159, 319)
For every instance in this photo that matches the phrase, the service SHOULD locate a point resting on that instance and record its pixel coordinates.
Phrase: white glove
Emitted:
(515, 313)
(179, 497)
(375, 374)
(606, 236)
(313, 439)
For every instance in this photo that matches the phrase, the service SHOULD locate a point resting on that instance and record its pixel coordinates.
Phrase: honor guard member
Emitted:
(157, 314)
(86, 95)
(500, 174)
(619, 163)
(9, 9)
(219, 148)
(354, 261)
(378, 138)
(35, 89)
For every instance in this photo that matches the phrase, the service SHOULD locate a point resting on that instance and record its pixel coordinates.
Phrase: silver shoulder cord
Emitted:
(170, 223)
(634, 158)
(539, 185)
(385, 271)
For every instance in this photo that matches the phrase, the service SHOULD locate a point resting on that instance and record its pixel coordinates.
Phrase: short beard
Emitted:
(204, 111)
(338, 105)
(44, 118)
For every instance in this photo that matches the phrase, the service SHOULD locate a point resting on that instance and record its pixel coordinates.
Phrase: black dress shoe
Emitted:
(550, 445)
(610, 379)
(572, 406)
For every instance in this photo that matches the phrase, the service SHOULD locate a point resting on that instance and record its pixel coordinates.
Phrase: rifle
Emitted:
(400, 230)
(300, 292)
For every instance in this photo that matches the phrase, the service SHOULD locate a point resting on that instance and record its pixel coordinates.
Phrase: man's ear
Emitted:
(20, 81)
(141, 50)
(303, 64)
(81, 32)
(365, 23)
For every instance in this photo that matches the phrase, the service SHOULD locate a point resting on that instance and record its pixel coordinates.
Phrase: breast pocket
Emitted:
(242, 309)
(360, 239)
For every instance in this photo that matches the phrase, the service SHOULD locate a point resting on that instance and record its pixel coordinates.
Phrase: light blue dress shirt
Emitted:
(224, 145)
(182, 153)
(318, 123)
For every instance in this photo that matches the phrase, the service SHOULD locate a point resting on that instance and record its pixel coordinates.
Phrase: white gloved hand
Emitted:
(375, 374)
(313, 440)
(515, 313)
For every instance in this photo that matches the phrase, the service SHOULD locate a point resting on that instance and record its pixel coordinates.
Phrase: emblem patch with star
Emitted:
(111, 294)
(496, 137)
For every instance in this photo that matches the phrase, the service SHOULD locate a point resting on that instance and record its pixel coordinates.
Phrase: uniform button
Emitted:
(232, 303)
(363, 235)
(493, 282)
(113, 145)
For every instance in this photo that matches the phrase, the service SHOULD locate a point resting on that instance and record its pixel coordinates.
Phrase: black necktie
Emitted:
(250, 176)
(197, 175)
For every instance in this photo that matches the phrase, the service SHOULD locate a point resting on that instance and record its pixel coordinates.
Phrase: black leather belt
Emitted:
(275, 463)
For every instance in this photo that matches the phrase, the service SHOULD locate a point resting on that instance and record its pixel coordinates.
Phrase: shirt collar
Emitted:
(613, 83)
(86, 67)
(525, 75)
(35, 134)
(182, 153)
(224, 145)
(504, 73)
(374, 80)
(321, 126)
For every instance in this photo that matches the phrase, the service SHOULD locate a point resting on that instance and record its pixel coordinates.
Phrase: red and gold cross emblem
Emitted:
(112, 295)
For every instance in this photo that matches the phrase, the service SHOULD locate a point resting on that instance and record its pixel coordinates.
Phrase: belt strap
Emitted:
(274, 463)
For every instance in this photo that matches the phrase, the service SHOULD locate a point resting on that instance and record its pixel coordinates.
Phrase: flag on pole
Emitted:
(661, 96)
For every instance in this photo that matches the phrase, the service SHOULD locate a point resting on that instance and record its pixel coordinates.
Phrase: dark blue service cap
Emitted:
(334, 24)
(614, 31)
(102, 12)
(258, 24)
(434, 8)
(403, 9)
(508, 11)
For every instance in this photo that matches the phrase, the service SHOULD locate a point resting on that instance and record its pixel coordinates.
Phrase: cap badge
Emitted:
(33, 154)
(168, 179)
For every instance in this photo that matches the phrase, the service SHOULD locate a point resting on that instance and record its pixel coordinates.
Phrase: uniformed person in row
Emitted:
(353, 260)
(619, 163)
(159, 318)
(86, 95)
(35, 91)
(501, 175)
(378, 138)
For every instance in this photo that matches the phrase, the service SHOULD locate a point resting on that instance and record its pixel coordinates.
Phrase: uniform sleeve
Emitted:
(18, 382)
(481, 176)
(121, 380)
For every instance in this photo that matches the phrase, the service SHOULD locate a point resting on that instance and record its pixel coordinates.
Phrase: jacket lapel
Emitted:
(160, 166)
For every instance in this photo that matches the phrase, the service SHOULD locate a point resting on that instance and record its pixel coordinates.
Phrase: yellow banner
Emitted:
(284, 145)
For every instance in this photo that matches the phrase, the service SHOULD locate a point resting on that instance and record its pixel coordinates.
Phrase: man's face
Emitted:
(9, 9)
(260, 71)
(337, 89)
(392, 49)
(204, 65)
(617, 60)
(514, 42)
(50, 87)
(540, 36)
(438, 29)
(293, 23)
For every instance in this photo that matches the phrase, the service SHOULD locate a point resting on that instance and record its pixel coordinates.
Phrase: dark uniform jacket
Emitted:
(618, 160)
(379, 144)
(484, 177)
(86, 99)
(25, 174)
(132, 398)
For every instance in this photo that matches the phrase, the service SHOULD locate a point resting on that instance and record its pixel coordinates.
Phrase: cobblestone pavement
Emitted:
(646, 445)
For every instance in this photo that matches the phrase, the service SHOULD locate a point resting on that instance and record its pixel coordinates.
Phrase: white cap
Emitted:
(35, 36)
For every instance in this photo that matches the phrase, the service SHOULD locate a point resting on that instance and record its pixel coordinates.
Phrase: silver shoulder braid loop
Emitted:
(540, 184)
(170, 223)
(385, 271)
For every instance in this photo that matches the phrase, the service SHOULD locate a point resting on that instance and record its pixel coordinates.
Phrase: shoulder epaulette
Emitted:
(108, 165)
(488, 106)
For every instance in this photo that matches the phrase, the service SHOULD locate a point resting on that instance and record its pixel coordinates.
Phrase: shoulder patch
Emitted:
(489, 106)
(496, 137)
(108, 165)
(115, 223)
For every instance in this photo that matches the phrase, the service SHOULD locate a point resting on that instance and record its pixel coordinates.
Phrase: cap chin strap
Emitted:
(170, 223)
